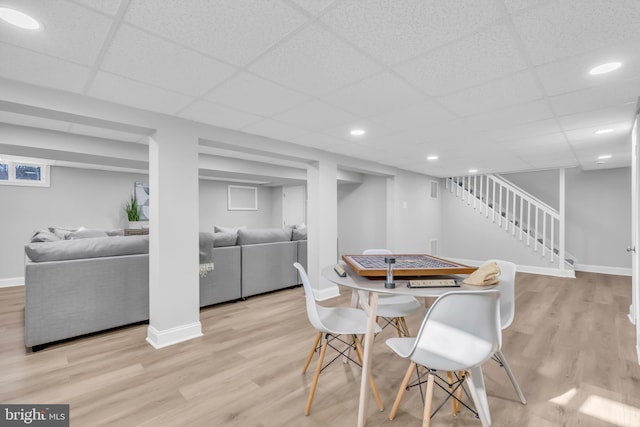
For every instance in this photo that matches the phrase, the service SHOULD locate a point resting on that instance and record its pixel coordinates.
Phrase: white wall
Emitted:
(416, 216)
(213, 207)
(468, 235)
(362, 215)
(598, 220)
(598, 212)
(76, 197)
(95, 199)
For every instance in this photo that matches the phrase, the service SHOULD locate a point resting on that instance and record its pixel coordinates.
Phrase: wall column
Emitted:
(322, 218)
(174, 297)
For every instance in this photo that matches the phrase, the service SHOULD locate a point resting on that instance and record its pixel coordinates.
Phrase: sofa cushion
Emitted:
(299, 234)
(224, 239)
(263, 235)
(92, 247)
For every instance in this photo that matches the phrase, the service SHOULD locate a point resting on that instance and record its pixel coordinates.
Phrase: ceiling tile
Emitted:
(255, 95)
(554, 30)
(374, 131)
(209, 113)
(479, 58)
(236, 31)
(620, 152)
(38, 69)
(314, 7)
(109, 7)
(573, 74)
(512, 90)
(420, 115)
(551, 161)
(140, 56)
(517, 5)
(315, 62)
(622, 129)
(68, 31)
(619, 92)
(543, 127)
(512, 116)
(129, 92)
(602, 117)
(394, 31)
(374, 95)
(274, 129)
(315, 116)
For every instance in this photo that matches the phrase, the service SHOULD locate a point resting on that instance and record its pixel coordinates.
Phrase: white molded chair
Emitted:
(331, 323)
(507, 313)
(394, 308)
(459, 333)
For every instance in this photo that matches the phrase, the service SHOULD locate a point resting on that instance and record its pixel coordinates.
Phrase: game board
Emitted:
(406, 265)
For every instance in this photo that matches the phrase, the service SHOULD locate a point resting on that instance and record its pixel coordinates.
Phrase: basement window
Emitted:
(16, 172)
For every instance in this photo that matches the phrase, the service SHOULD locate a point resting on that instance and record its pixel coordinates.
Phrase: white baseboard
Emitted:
(326, 293)
(617, 271)
(12, 281)
(160, 339)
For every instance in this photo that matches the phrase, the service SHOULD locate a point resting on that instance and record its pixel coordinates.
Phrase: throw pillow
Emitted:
(224, 239)
(85, 233)
(62, 232)
(44, 236)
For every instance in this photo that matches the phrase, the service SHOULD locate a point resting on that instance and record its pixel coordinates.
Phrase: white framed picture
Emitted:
(242, 198)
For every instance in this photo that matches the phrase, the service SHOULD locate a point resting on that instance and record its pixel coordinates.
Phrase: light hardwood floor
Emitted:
(571, 348)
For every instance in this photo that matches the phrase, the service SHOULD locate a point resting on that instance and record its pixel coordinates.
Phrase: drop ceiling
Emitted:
(493, 85)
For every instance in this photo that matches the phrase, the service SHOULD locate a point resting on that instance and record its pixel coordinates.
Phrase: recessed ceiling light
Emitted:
(603, 131)
(473, 170)
(605, 156)
(357, 132)
(432, 157)
(605, 68)
(19, 19)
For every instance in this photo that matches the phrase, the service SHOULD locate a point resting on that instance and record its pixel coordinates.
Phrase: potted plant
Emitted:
(133, 212)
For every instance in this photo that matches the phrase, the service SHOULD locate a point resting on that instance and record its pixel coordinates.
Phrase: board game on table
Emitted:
(406, 265)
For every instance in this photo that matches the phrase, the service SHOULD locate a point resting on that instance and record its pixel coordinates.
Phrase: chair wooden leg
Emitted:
(396, 321)
(454, 406)
(374, 389)
(405, 327)
(403, 388)
(323, 350)
(426, 417)
(461, 375)
(313, 350)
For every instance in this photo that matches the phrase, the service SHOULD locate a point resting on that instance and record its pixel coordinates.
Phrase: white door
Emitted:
(634, 249)
(294, 202)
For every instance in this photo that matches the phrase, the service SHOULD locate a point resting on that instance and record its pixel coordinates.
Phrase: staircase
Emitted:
(528, 219)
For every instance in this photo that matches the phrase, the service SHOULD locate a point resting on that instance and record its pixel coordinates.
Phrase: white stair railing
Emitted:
(517, 212)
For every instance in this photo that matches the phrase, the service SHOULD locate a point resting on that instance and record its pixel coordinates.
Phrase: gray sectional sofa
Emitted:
(92, 283)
